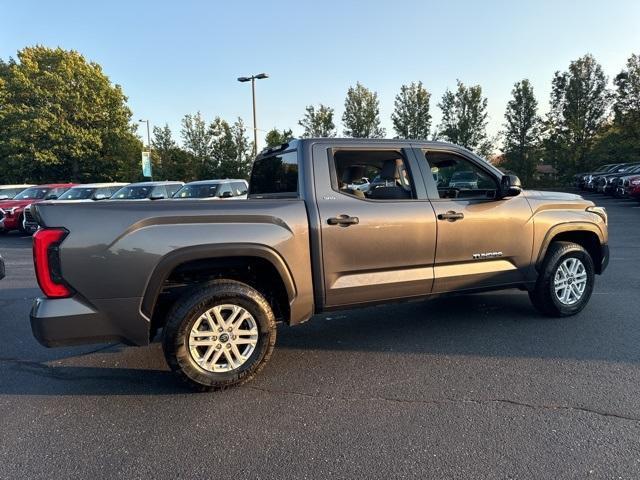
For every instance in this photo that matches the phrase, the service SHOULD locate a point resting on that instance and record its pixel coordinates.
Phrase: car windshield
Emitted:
(206, 190)
(133, 193)
(463, 176)
(77, 194)
(9, 192)
(32, 194)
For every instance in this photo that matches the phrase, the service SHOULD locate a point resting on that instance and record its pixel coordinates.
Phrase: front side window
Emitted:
(387, 169)
(275, 176)
(458, 177)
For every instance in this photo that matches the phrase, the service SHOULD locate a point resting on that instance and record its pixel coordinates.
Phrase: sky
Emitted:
(180, 57)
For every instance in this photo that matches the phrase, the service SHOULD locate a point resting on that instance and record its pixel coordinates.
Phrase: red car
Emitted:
(11, 210)
(634, 188)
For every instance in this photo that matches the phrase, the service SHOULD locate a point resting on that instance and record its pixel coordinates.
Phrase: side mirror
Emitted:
(226, 194)
(156, 196)
(51, 197)
(510, 186)
(100, 196)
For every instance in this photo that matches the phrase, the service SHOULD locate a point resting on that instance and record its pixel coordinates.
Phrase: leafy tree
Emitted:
(275, 137)
(231, 149)
(170, 161)
(579, 104)
(361, 116)
(197, 140)
(318, 123)
(522, 131)
(411, 117)
(62, 119)
(464, 118)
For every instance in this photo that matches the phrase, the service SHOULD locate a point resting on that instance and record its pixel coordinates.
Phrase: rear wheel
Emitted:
(566, 280)
(220, 335)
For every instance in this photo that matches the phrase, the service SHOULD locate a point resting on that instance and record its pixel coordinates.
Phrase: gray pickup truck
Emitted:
(217, 277)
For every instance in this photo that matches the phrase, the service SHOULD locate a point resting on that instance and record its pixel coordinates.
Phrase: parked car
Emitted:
(147, 191)
(2, 271)
(217, 277)
(581, 179)
(87, 192)
(233, 189)
(7, 192)
(608, 183)
(626, 184)
(591, 182)
(11, 211)
(634, 188)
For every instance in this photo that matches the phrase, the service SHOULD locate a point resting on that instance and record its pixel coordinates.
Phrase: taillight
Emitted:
(46, 260)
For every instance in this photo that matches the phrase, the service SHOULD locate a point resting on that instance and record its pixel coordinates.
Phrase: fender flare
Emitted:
(200, 252)
(562, 228)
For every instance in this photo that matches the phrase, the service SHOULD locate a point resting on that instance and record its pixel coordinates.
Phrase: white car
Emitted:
(227, 189)
(7, 192)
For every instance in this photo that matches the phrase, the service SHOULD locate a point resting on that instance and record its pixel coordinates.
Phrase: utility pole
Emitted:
(253, 79)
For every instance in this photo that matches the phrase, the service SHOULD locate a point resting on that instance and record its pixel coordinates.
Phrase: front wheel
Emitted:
(565, 282)
(220, 335)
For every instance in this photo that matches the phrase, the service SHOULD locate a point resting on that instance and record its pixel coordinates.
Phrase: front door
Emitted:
(378, 228)
(482, 241)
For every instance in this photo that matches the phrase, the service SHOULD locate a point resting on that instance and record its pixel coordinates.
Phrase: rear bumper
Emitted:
(71, 321)
(605, 258)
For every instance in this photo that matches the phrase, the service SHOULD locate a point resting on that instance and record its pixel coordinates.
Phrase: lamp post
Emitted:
(253, 79)
(148, 141)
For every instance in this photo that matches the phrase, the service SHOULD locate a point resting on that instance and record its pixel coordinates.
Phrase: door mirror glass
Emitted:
(156, 196)
(53, 196)
(226, 194)
(510, 186)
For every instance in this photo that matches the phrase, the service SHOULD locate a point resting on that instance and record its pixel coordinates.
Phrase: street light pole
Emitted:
(253, 79)
(148, 142)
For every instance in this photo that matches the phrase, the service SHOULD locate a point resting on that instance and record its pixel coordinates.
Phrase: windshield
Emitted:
(32, 194)
(133, 193)
(206, 190)
(463, 176)
(9, 192)
(77, 194)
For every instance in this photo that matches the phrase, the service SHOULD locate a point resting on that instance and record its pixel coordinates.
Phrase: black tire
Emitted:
(544, 296)
(188, 309)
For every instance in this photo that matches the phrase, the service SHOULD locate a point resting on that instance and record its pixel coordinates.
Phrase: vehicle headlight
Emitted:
(601, 212)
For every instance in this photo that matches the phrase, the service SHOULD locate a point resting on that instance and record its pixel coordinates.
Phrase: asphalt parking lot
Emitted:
(463, 387)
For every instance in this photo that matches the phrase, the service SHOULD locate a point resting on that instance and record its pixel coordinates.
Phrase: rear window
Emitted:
(275, 175)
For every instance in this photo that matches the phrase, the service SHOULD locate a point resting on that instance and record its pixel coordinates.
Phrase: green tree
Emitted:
(411, 117)
(231, 149)
(170, 162)
(275, 137)
(579, 104)
(361, 116)
(197, 141)
(464, 119)
(318, 123)
(522, 131)
(62, 119)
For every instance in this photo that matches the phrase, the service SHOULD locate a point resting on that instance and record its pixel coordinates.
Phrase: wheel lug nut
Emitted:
(233, 337)
(228, 345)
(229, 329)
(220, 329)
(214, 338)
(218, 346)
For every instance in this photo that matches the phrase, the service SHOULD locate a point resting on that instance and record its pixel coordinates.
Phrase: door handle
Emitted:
(343, 220)
(451, 216)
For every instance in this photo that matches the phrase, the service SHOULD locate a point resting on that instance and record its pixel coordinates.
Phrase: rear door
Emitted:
(373, 249)
(482, 241)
